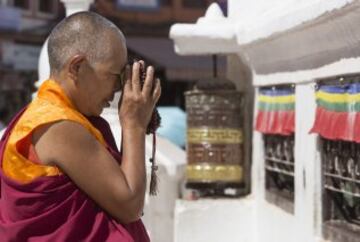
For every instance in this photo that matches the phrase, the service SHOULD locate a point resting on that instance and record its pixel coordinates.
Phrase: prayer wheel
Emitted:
(214, 137)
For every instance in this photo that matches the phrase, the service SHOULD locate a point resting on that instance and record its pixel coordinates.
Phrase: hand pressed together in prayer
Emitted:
(137, 103)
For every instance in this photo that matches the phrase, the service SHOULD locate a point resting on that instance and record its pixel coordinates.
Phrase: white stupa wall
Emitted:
(258, 19)
(252, 218)
(263, 221)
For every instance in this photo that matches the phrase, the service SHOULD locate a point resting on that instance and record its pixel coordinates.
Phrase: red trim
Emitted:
(337, 125)
(278, 122)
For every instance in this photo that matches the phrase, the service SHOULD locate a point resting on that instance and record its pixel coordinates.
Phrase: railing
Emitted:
(341, 183)
(279, 170)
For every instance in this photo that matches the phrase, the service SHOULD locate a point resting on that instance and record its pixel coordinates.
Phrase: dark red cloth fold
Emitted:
(51, 209)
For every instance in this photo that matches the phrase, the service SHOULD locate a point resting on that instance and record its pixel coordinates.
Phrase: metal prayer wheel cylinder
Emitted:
(214, 137)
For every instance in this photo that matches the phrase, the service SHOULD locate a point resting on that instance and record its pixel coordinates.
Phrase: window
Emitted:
(148, 5)
(23, 4)
(276, 121)
(337, 123)
(279, 170)
(47, 6)
(195, 3)
(165, 3)
(341, 181)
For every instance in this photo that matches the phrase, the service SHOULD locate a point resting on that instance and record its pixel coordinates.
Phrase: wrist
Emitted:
(134, 129)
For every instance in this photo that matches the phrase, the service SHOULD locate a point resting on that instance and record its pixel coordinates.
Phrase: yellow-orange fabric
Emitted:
(50, 105)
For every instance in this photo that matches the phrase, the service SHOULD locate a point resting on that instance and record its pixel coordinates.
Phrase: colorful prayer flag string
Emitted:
(276, 111)
(338, 112)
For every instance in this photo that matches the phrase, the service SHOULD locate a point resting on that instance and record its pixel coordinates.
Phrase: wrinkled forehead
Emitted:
(118, 41)
(116, 50)
(119, 54)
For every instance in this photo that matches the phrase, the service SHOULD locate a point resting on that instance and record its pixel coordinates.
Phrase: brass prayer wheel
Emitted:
(214, 136)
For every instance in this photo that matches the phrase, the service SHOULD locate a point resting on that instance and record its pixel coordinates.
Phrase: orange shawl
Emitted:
(50, 105)
(38, 202)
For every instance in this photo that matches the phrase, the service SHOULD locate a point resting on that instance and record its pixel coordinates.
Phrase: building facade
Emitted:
(152, 18)
(24, 26)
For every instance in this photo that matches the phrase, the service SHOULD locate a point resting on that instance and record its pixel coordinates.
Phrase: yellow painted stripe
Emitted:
(214, 172)
(277, 99)
(215, 136)
(337, 98)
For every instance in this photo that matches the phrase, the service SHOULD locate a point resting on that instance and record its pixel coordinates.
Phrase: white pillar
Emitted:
(308, 166)
(74, 6)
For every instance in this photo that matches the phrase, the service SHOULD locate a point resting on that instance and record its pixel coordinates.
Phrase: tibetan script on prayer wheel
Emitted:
(214, 136)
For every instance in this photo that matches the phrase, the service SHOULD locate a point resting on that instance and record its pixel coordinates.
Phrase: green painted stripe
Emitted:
(339, 107)
(276, 106)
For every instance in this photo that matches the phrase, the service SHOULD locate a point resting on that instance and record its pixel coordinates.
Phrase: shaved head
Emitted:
(84, 33)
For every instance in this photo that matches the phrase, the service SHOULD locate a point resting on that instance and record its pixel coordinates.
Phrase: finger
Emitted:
(136, 77)
(142, 63)
(149, 81)
(127, 79)
(142, 69)
(157, 90)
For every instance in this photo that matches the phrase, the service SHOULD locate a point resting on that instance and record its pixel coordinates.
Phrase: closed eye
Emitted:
(120, 79)
(119, 83)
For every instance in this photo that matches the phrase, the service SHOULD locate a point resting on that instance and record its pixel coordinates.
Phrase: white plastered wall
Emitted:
(273, 223)
(262, 221)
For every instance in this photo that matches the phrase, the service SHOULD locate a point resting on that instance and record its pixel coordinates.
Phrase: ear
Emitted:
(74, 65)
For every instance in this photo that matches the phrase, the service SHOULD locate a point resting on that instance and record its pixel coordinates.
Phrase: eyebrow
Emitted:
(115, 74)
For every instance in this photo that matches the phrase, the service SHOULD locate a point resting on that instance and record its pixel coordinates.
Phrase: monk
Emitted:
(62, 177)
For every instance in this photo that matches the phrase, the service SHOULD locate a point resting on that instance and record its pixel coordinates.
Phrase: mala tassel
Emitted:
(154, 178)
(151, 129)
(153, 125)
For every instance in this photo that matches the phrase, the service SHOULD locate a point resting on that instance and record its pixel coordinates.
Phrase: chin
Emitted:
(98, 113)
(95, 112)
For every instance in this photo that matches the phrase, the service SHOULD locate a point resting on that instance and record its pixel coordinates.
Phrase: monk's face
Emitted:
(99, 82)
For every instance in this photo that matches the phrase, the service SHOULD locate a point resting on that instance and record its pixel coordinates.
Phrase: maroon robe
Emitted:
(54, 209)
